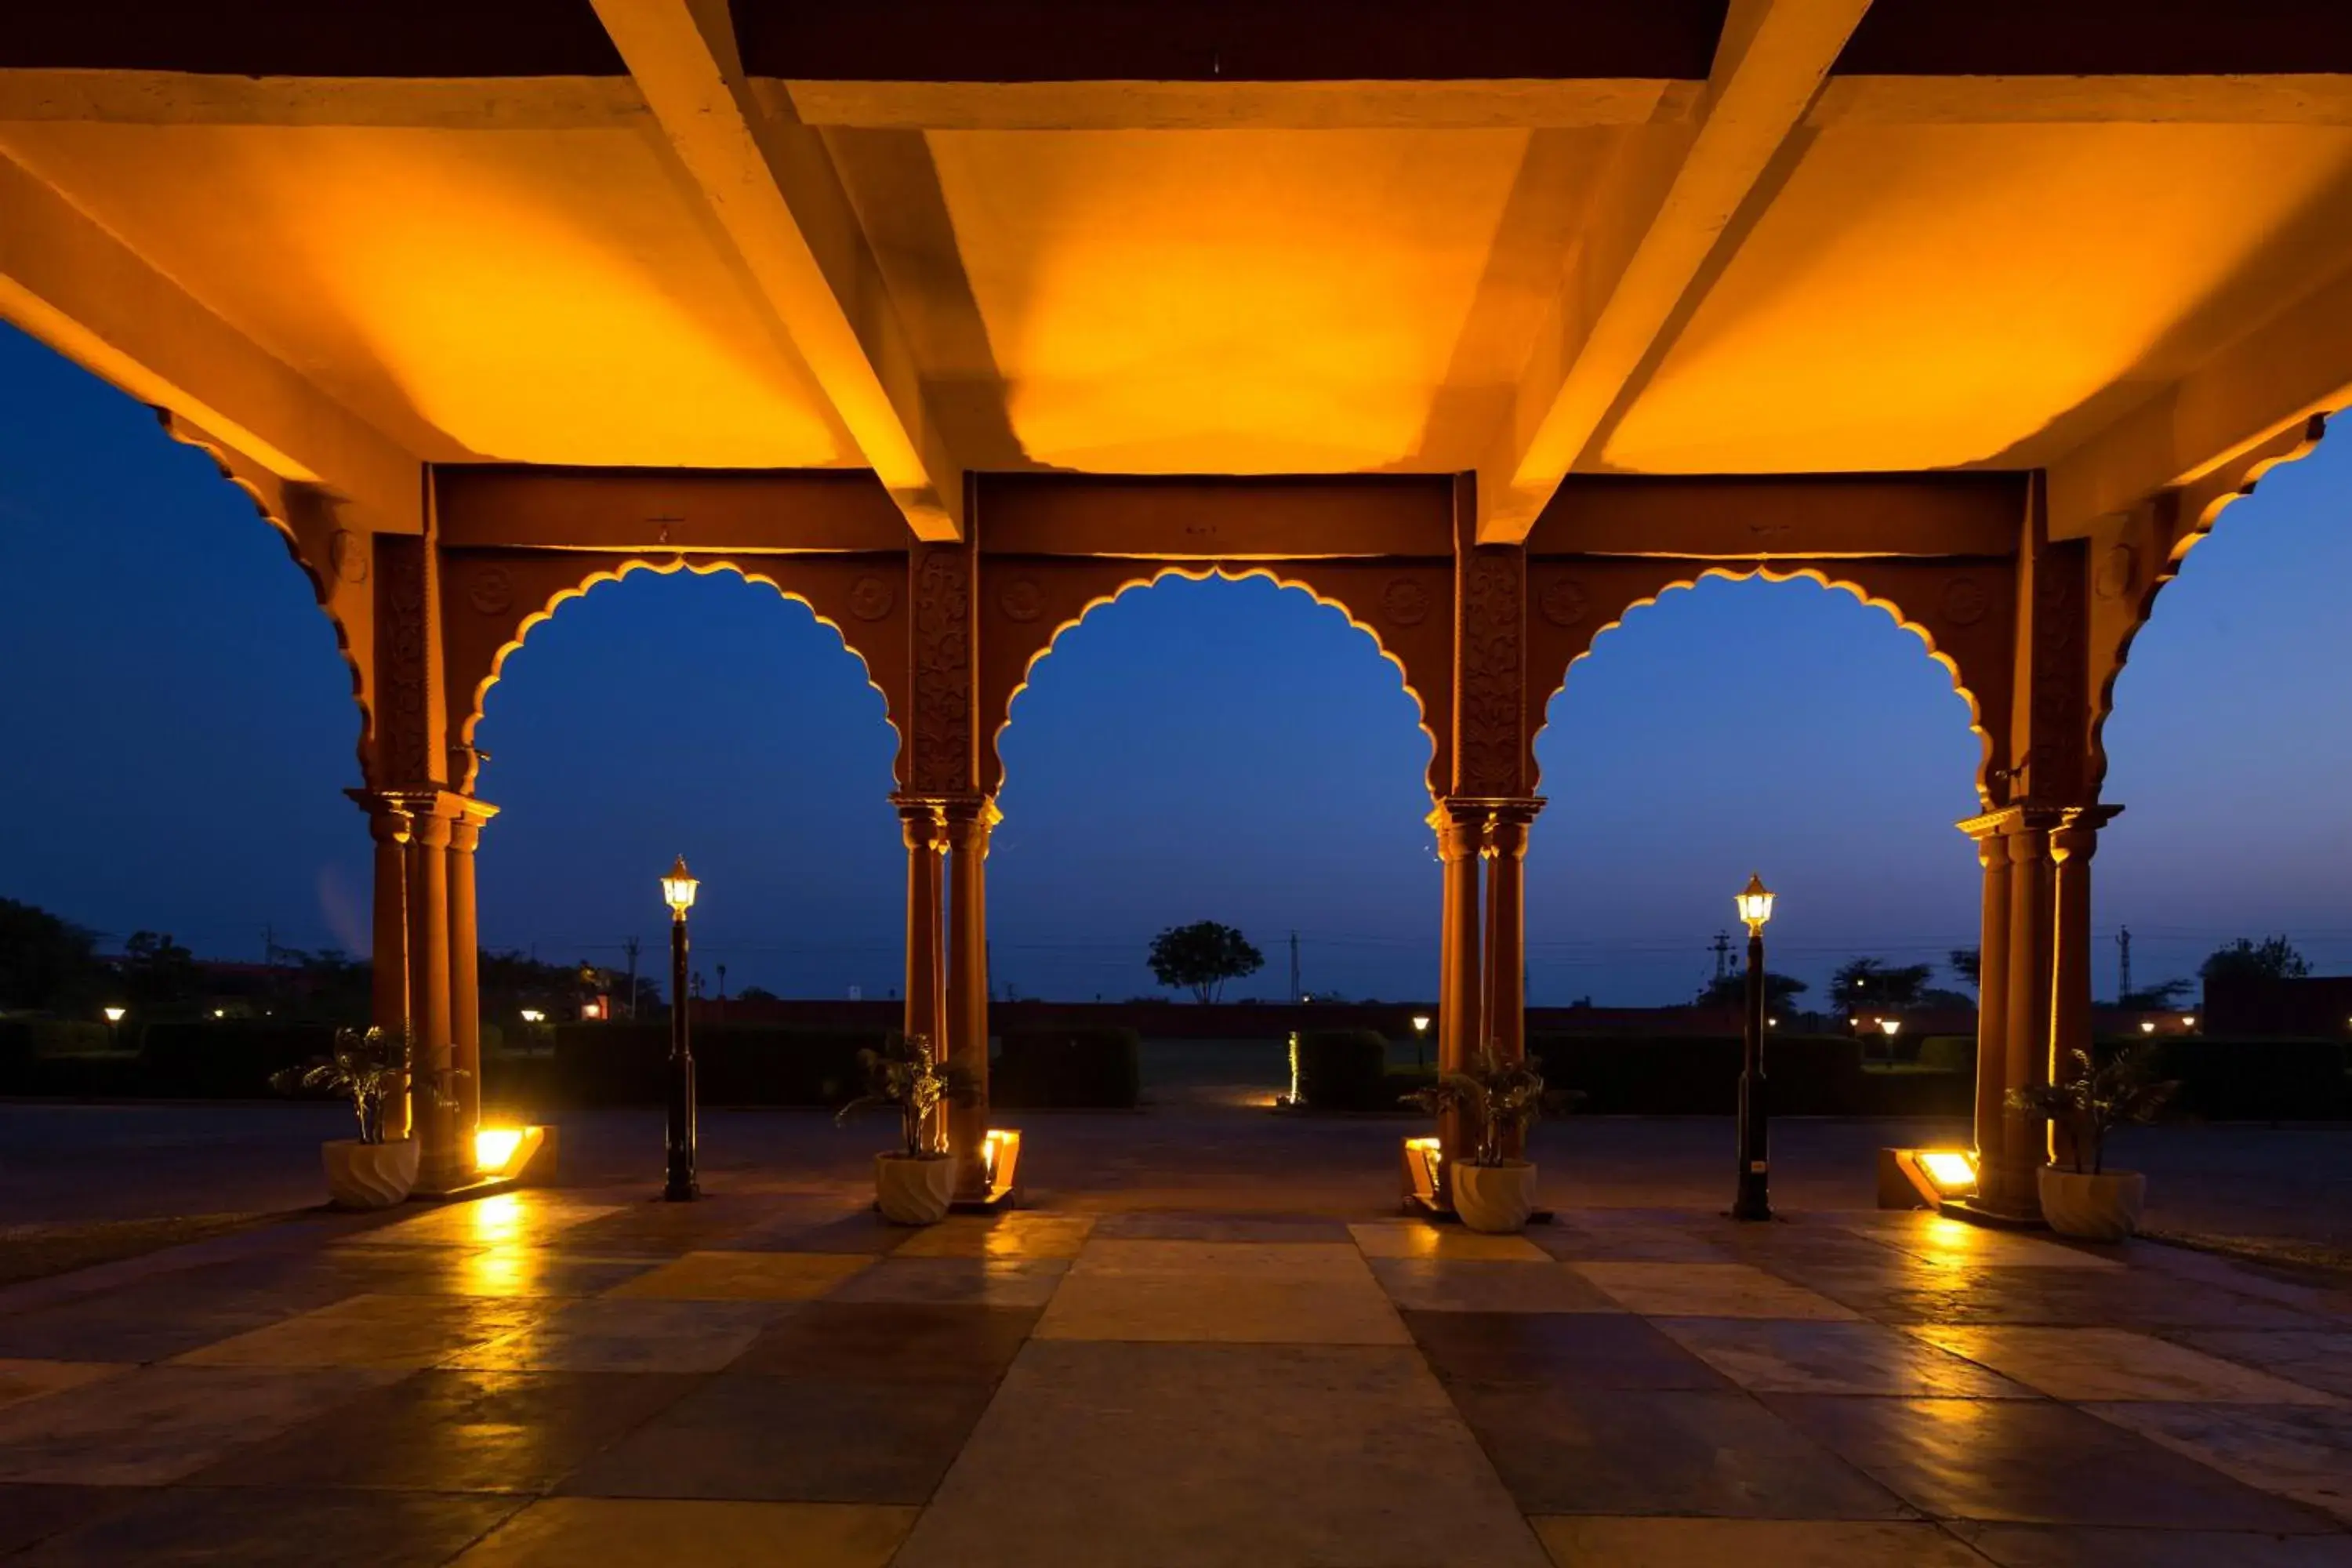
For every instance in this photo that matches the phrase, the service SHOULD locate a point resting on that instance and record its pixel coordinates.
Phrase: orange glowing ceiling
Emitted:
(539, 295)
(1944, 295)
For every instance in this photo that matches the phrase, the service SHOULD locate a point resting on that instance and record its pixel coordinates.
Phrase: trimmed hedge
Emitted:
(1068, 1070)
(1698, 1075)
(2258, 1080)
(1949, 1053)
(227, 1060)
(1345, 1069)
(628, 1064)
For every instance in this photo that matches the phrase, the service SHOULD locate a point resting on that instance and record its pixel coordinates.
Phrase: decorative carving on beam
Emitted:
(1026, 602)
(523, 506)
(498, 596)
(1963, 610)
(405, 629)
(1737, 517)
(1274, 517)
(2139, 555)
(336, 560)
(940, 743)
(1494, 755)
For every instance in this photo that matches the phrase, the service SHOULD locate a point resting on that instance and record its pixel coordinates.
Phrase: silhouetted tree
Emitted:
(2158, 998)
(1870, 983)
(2272, 958)
(757, 994)
(1731, 991)
(1967, 962)
(45, 962)
(1201, 957)
(158, 975)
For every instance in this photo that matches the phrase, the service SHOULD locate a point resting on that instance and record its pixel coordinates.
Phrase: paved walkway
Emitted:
(1128, 1377)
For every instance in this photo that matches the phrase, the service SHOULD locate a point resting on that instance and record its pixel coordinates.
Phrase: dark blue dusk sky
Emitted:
(176, 731)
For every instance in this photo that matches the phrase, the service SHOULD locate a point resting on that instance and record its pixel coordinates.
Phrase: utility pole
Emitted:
(630, 947)
(1722, 950)
(2123, 945)
(1297, 994)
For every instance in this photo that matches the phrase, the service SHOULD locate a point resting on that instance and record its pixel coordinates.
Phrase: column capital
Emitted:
(419, 801)
(2024, 817)
(1485, 825)
(2076, 836)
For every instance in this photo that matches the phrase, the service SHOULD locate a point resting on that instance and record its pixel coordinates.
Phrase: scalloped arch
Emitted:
(1826, 578)
(2290, 448)
(1147, 577)
(597, 577)
(227, 463)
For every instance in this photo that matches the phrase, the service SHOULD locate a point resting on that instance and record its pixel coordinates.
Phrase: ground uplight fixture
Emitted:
(1753, 1200)
(678, 1183)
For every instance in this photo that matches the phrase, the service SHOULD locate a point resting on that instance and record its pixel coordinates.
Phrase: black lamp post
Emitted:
(678, 1184)
(1754, 1198)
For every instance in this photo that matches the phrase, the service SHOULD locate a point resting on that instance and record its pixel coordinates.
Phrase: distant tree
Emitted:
(158, 975)
(2159, 998)
(2272, 958)
(757, 994)
(1966, 962)
(1731, 991)
(45, 962)
(1872, 982)
(1942, 999)
(1201, 957)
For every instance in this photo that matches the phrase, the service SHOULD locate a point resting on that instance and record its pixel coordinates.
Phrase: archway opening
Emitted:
(1784, 729)
(2228, 745)
(1223, 751)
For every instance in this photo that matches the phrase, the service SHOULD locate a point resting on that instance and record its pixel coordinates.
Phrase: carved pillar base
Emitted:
(969, 822)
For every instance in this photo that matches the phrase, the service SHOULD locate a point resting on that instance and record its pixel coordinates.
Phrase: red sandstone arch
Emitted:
(1971, 631)
(493, 599)
(1406, 609)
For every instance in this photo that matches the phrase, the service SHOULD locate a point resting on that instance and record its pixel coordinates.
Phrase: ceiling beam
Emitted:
(1769, 65)
(774, 190)
(2277, 376)
(75, 287)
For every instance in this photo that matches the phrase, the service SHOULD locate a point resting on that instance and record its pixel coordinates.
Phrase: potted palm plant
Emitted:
(1491, 1192)
(369, 1066)
(914, 1184)
(2096, 1203)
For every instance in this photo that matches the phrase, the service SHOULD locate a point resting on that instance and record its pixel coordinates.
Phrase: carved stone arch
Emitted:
(1026, 602)
(492, 598)
(1963, 610)
(2132, 558)
(337, 561)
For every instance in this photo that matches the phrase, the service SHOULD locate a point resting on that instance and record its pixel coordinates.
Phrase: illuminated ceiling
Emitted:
(1524, 240)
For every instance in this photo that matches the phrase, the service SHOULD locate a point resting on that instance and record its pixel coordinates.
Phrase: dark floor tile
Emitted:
(861, 1231)
(1568, 1449)
(793, 1440)
(268, 1529)
(460, 1431)
(2031, 1461)
(892, 1341)
(30, 1513)
(1583, 1349)
(2064, 1546)
(2144, 1299)
(157, 1319)
(1157, 1225)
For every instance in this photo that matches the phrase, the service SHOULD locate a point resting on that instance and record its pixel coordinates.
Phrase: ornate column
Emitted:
(969, 822)
(925, 830)
(388, 825)
(464, 967)
(1994, 1193)
(1504, 984)
(433, 1113)
(2026, 1047)
(2072, 843)
(1459, 1012)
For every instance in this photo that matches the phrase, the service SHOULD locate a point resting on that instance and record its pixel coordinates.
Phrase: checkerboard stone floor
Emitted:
(773, 1375)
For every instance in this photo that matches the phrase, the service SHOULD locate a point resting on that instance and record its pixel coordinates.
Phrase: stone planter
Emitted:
(911, 1190)
(369, 1176)
(1495, 1199)
(2093, 1208)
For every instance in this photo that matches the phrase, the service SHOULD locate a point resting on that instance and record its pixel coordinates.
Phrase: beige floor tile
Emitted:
(505, 1220)
(1444, 1285)
(1953, 1243)
(397, 1332)
(744, 1277)
(627, 1532)
(1012, 1235)
(1708, 1290)
(2296, 1451)
(23, 1380)
(1415, 1238)
(644, 1334)
(1856, 1358)
(2098, 1364)
(1166, 1456)
(1749, 1543)
(1332, 1261)
(1234, 1309)
(965, 1282)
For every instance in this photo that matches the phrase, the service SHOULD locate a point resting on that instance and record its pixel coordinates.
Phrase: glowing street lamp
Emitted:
(2148, 1025)
(114, 1016)
(533, 1015)
(678, 1183)
(1753, 1200)
(1420, 1037)
(1890, 1028)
